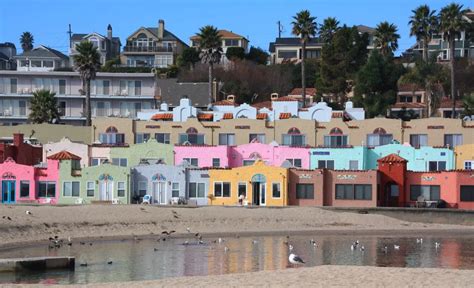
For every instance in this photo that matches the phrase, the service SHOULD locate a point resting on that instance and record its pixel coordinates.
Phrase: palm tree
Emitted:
(386, 38)
(26, 40)
(210, 51)
(43, 107)
(87, 62)
(327, 30)
(304, 26)
(451, 23)
(424, 24)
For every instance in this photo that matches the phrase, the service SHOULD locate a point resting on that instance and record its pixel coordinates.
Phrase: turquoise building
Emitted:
(424, 158)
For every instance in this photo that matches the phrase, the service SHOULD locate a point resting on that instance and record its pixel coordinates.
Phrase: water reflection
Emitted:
(149, 259)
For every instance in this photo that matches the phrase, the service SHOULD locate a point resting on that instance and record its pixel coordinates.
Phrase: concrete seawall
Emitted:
(421, 215)
(37, 264)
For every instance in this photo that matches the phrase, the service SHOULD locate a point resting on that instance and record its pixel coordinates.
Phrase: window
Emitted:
(121, 189)
(192, 161)
(418, 140)
(216, 162)
(48, 64)
(163, 138)
(142, 187)
(437, 165)
(119, 162)
(231, 42)
(13, 85)
(62, 108)
(71, 189)
(295, 162)
(287, 54)
(325, 164)
(22, 107)
(98, 161)
(304, 191)
(46, 189)
(175, 189)
(354, 191)
(111, 136)
(468, 165)
(242, 189)
(141, 137)
(102, 87)
(164, 61)
(132, 88)
(260, 138)
(196, 190)
(276, 192)
(226, 139)
(335, 138)
(35, 63)
(452, 140)
(429, 192)
(221, 189)
(379, 137)
(315, 54)
(24, 189)
(90, 188)
(248, 162)
(293, 138)
(192, 136)
(467, 193)
(353, 165)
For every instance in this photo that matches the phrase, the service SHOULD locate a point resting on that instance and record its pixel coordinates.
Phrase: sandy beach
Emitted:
(115, 221)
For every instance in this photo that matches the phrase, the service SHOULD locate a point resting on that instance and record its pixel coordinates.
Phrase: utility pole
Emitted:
(70, 35)
(280, 29)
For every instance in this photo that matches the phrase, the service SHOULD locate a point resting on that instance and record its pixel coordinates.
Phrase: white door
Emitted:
(263, 194)
(159, 192)
(106, 189)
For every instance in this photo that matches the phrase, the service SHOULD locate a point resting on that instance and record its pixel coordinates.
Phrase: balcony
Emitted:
(147, 49)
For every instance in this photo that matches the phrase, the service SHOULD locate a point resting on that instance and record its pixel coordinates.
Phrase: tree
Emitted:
(87, 62)
(327, 30)
(257, 55)
(211, 51)
(26, 41)
(312, 72)
(235, 53)
(376, 84)
(424, 24)
(43, 107)
(386, 38)
(340, 60)
(304, 26)
(188, 58)
(468, 103)
(451, 23)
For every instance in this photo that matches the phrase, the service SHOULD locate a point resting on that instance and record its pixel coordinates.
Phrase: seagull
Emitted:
(220, 240)
(437, 245)
(186, 242)
(110, 262)
(188, 229)
(290, 247)
(396, 247)
(385, 249)
(254, 242)
(419, 241)
(28, 212)
(201, 242)
(312, 241)
(295, 259)
(353, 247)
(168, 232)
(83, 264)
(226, 249)
(362, 248)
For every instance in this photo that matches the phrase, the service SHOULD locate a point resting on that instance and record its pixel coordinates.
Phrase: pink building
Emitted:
(242, 155)
(29, 184)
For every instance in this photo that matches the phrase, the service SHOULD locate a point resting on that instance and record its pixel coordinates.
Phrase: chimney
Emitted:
(161, 28)
(231, 98)
(109, 32)
(17, 139)
(274, 96)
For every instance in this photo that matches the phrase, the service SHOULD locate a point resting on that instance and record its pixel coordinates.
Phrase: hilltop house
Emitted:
(229, 39)
(41, 59)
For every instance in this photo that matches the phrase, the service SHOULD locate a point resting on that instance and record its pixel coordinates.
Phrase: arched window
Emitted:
(255, 155)
(259, 178)
(379, 137)
(112, 137)
(111, 129)
(192, 130)
(294, 131)
(380, 131)
(293, 138)
(335, 131)
(192, 137)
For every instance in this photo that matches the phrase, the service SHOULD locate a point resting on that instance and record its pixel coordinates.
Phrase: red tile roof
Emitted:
(394, 158)
(162, 116)
(225, 103)
(262, 116)
(205, 116)
(299, 91)
(285, 99)
(285, 115)
(264, 104)
(409, 87)
(412, 105)
(228, 116)
(337, 114)
(64, 155)
(448, 103)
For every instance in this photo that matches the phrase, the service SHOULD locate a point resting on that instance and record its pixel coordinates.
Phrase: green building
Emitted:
(150, 151)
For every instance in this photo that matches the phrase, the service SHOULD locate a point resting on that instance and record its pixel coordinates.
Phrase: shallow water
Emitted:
(149, 259)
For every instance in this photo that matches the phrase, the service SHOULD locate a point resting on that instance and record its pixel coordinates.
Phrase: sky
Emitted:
(257, 20)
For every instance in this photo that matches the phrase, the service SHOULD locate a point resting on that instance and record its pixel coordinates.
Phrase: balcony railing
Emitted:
(148, 49)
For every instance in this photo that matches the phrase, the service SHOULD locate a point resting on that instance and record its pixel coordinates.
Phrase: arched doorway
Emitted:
(259, 188)
(106, 187)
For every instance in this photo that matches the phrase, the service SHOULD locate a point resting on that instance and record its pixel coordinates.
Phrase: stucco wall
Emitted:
(301, 176)
(464, 153)
(333, 177)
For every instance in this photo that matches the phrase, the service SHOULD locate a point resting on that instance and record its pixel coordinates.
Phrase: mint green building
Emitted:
(150, 151)
(106, 182)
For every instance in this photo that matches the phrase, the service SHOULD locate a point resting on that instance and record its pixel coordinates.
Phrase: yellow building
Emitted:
(262, 185)
(464, 156)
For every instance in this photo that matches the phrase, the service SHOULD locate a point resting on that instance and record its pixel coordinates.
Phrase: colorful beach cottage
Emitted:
(150, 151)
(103, 183)
(29, 184)
(260, 185)
(464, 156)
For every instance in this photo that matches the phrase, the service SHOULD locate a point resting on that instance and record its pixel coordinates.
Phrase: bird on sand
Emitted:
(419, 241)
(168, 232)
(109, 262)
(226, 249)
(437, 245)
(28, 212)
(295, 259)
(188, 229)
(396, 247)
